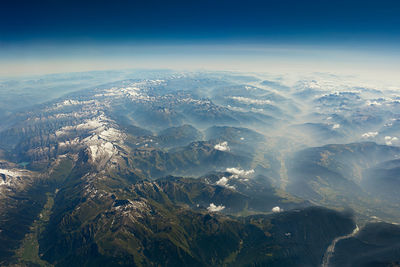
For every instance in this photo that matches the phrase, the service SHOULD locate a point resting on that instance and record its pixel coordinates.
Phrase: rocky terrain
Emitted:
(198, 169)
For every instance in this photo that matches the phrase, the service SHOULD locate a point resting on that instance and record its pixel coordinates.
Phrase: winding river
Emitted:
(331, 249)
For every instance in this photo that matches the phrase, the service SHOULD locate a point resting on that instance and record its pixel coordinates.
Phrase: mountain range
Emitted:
(163, 168)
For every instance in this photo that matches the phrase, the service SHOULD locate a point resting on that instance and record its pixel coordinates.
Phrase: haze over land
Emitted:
(212, 133)
(255, 147)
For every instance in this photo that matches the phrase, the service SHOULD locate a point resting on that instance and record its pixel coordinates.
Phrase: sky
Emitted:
(58, 35)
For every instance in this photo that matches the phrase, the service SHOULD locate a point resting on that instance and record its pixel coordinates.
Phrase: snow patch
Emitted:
(10, 173)
(373, 103)
(247, 100)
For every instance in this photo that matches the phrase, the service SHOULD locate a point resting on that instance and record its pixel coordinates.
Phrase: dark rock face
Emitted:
(377, 244)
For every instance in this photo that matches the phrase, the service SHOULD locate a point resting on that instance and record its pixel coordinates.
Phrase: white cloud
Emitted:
(215, 208)
(236, 173)
(276, 209)
(389, 140)
(224, 182)
(223, 146)
(369, 134)
(336, 126)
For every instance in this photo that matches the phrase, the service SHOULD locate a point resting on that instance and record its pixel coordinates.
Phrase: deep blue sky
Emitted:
(39, 36)
(280, 21)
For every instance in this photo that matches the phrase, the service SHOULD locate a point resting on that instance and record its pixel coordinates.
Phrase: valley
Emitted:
(199, 169)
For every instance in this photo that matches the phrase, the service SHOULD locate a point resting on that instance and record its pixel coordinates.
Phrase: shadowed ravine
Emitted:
(331, 249)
